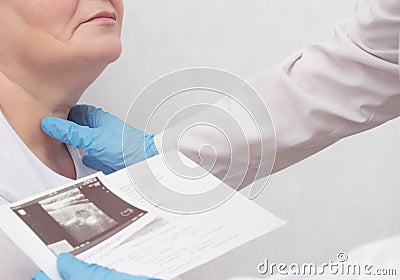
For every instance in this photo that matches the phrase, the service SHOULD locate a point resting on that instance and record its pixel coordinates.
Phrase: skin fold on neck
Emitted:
(47, 61)
(24, 112)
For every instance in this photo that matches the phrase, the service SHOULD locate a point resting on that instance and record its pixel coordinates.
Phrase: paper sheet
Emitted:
(170, 245)
(85, 218)
(174, 243)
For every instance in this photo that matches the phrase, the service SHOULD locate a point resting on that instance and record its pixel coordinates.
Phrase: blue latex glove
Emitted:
(100, 135)
(70, 268)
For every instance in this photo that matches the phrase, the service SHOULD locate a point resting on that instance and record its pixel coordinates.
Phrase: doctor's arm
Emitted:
(343, 86)
(328, 91)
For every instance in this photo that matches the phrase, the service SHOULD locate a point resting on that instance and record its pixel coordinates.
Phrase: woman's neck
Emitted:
(25, 111)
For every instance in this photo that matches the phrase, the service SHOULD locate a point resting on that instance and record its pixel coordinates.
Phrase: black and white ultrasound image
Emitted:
(78, 217)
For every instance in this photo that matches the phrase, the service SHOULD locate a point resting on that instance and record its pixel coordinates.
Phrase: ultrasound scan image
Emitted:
(77, 215)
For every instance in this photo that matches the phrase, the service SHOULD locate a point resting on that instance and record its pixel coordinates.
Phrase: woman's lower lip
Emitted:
(103, 20)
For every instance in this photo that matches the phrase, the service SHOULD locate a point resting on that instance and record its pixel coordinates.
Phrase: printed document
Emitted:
(112, 220)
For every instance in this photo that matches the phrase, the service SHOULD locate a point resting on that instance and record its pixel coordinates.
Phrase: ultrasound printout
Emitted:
(78, 217)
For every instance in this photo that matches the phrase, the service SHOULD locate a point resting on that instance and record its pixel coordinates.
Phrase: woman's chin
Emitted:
(112, 55)
(107, 52)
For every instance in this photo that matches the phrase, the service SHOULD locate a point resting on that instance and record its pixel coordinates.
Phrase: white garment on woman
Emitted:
(22, 175)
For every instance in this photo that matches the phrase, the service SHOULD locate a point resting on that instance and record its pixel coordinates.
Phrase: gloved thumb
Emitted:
(80, 137)
(40, 276)
(96, 164)
(70, 267)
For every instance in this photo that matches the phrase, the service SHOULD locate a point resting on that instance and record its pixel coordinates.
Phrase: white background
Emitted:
(340, 198)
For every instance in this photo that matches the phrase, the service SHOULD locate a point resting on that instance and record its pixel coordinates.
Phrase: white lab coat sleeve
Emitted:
(337, 88)
(330, 90)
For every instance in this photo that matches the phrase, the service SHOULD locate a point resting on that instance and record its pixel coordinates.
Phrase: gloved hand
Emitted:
(70, 268)
(100, 135)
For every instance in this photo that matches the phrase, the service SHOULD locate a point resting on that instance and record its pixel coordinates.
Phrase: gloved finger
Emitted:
(96, 164)
(40, 276)
(86, 115)
(81, 137)
(91, 116)
(70, 268)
